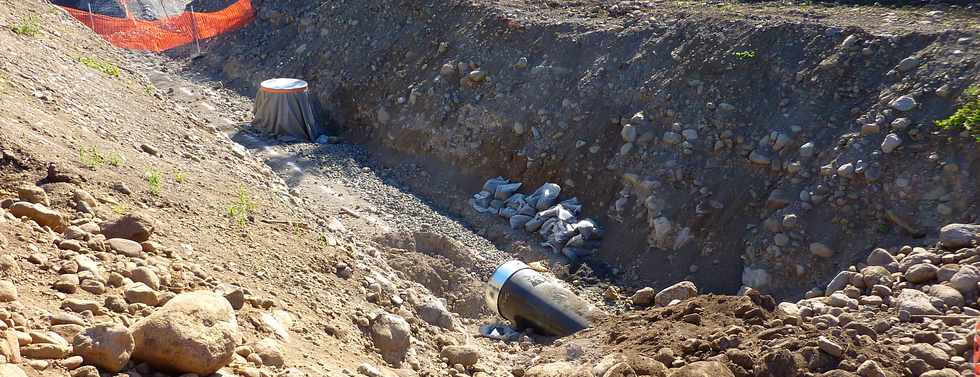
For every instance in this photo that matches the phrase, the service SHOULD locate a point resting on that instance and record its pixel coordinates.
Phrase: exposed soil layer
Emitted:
(694, 131)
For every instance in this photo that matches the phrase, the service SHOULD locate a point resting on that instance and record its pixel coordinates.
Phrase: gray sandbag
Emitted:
(579, 241)
(561, 232)
(549, 213)
(545, 196)
(504, 191)
(564, 214)
(575, 253)
(518, 221)
(548, 196)
(491, 184)
(547, 227)
(588, 229)
(534, 224)
(572, 205)
(527, 210)
(482, 199)
(496, 204)
(507, 212)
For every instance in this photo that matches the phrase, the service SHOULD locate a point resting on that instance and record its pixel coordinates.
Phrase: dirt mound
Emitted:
(440, 264)
(749, 338)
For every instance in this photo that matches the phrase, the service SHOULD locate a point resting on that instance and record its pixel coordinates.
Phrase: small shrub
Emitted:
(120, 209)
(91, 157)
(967, 116)
(745, 55)
(179, 177)
(114, 159)
(242, 208)
(101, 66)
(28, 27)
(155, 181)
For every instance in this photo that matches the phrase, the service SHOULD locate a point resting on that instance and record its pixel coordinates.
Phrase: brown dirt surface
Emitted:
(703, 328)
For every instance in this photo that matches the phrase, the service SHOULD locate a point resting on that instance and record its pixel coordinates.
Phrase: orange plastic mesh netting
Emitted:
(162, 35)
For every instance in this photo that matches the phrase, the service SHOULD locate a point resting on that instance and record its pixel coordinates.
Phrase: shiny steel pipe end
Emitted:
(497, 281)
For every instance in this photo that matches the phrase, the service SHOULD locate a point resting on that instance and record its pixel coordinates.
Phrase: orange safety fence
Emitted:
(165, 34)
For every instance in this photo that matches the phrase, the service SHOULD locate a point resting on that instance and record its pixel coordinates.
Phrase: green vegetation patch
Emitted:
(101, 66)
(28, 27)
(155, 182)
(745, 55)
(93, 158)
(242, 208)
(967, 116)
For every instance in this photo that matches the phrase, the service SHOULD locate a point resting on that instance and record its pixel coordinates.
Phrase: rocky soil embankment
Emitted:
(766, 145)
(138, 239)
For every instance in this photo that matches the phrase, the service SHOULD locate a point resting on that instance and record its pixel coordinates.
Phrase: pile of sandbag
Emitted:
(556, 222)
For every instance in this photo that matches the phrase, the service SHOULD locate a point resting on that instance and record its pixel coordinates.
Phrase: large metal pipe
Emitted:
(530, 300)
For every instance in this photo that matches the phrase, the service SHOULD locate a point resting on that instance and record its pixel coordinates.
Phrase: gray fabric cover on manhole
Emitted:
(282, 108)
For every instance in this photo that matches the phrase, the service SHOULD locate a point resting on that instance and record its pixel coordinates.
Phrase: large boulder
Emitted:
(106, 346)
(781, 362)
(955, 236)
(930, 354)
(194, 332)
(881, 257)
(392, 337)
(466, 355)
(876, 275)
(8, 291)
(787, 309)
(435, 313)
(271, 351)
(139, 293)
(135, 227)
(44, 216)
(965, 280)
(949, 295)
(680, 291)
(45, 351)
(10, 346)
(921, 273)
(33, 194)
(125, 247)
(11, 370)
(839, 282)
(643, 297)
(915, 302)
(703, 369)
(647, 366)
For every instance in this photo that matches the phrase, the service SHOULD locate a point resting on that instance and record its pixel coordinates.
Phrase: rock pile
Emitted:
(905, 312)
(152, 310)
(542, 213)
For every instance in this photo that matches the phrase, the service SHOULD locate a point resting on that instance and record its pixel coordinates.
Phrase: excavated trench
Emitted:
(731, 148)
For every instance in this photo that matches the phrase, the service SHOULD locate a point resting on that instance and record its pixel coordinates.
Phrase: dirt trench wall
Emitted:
(755, 139)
